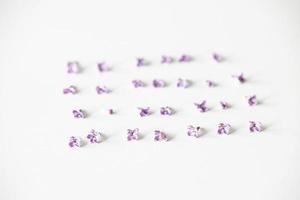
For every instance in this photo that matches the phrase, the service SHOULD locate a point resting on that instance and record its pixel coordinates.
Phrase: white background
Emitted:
(259, 38)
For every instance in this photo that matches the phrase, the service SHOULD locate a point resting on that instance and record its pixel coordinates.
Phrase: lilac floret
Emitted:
(144, 111)
(201, 106)
(224, 128)
(79, 113)
(160, 136)
(195, 131)
(102, 67)
(140, 62)
(102, 90)
(111, 111)
(166, 111)
(224, 105)
(138, 83)
(158, 83)
(240, 78)
(166, 60)
(75, 142)
(185, 58)
(218, 58)
(255, 126)
(132, 134)
(210, 83)
(70, 90)
(252, 100)
(73, 67)
(183, 83)
(94, 136)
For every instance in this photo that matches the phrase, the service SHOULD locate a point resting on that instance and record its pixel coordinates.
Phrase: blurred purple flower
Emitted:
(166, 59)
(185, 58)
(132, 134)
(102, 67)
(79, 113)
(102, 90)
(210, 83)
(201, 106)
(166, 111)
(111, 111)
(183, 83)
(73, 67)
(217, 57)
(94, 136)
(75, 142)
(224, 105)
(140, 62)
(138, 83)
(144, 111)
(252, 100)
(224, 128)
(240, 78)
(70, 90)
(160, 136)
(158, 83)
(255, 126)
(195, 131)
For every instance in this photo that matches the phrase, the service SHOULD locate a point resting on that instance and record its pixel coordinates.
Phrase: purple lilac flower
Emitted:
(140, 62)
(111, 111)
(166, 111)
(73, 67)
(79, 113)
(138, 83)
(94, 136)
(252, 100)
(102, 90)
(201, 106)
(160, 136)
(224, 105)
(217, 57)
(70, 90)
(195, 131)
(102, 67)
(185, 58)
(240, 78)
(166, 60)
(158, 83)
(132, 134)
(183, 83)
(144, 111)
(255, 126)
(224, 128)
(75, 142)
(210, 83)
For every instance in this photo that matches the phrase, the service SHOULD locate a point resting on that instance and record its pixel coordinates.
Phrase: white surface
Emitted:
(259, 38)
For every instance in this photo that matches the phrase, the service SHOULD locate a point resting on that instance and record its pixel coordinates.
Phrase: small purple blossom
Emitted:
(138, 83)
(195, 131)
(73, 67)
(79, 113)
(224, 105)
(166, 60)
(252, 100)
(255, 126)
(140, 62)
(102, 90)
(166, 111)
(144, 111)
(70, 90)
(102, 67)
(75, 142)
(183, 83)
(201, 106)
(111, 111)
(94, 136)
(240, 78)
(158, 83)
(132, 134)
(185, 58)
(160, 136)
(224, 128)
(210, 83)
(217, 57)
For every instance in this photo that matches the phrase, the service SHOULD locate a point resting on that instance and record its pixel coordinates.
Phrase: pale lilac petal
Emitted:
(111, 111)
(224, 128)
(218, 58)
(255, 126)
(70, 90)
(158, 83)
(144, 111)
(102, 67)
(201, 106)
(79, 113)
(224, 105)
(183, 83)
(138, 83)
(210, 83)
(166, 111)
(252, 100)
(166, 60)
(140, 62)
(132, 134)
(73, 67)
(75, 141)
(195, 131)
(102, 90)
(240, 78)
(160, 136)
(94, 136)
(185, 58)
